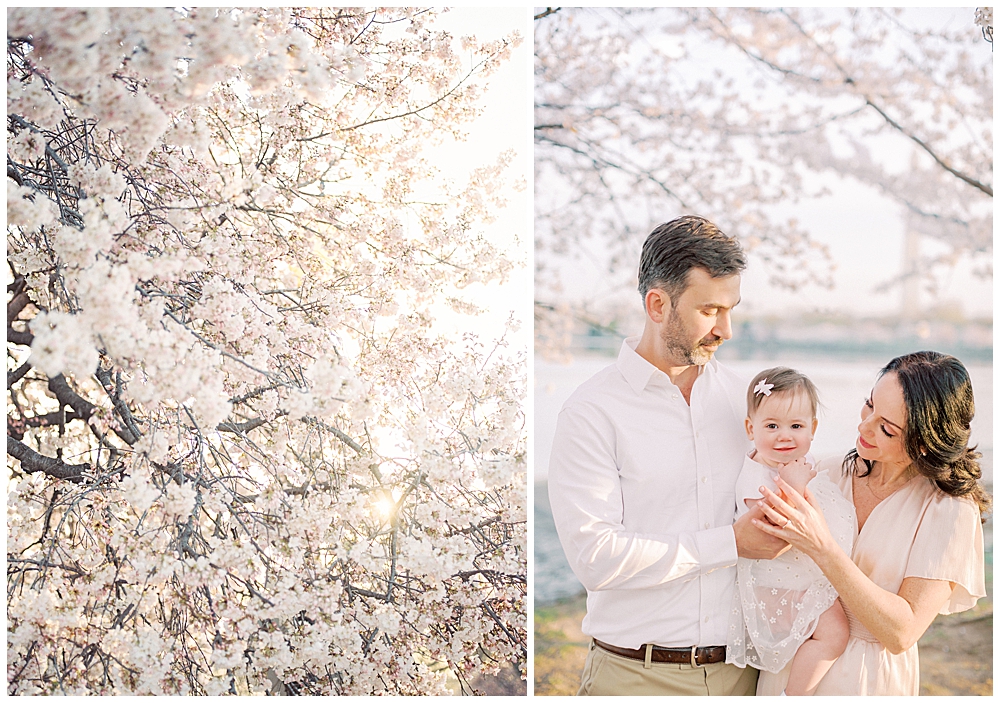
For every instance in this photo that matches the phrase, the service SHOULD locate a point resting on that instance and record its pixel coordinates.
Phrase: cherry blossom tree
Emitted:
(242, 457)
(737, 114)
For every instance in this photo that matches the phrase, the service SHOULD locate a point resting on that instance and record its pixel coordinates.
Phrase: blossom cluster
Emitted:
(243, 459)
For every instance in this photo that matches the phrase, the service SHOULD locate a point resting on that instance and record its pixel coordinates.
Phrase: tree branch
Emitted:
(849, 81)
(50, 419)
(130, 433)
(418, 110)
(339, 434)
(84, 408)
(33, 462)
(241, 427)
(17, 374)
(67, 396)
(16, 305)
(15, 337)
(958, 174)
(48, 565)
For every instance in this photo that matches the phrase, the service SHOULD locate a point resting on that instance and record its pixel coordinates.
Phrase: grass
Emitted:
(956, 652)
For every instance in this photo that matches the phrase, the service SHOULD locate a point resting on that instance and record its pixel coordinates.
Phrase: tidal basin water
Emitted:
(842, 385)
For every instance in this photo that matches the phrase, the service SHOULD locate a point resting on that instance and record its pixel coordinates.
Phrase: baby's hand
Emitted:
(797, 473)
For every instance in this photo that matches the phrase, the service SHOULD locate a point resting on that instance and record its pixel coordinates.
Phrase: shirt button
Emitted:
(704, 479)
(707, 524)
(706, 618)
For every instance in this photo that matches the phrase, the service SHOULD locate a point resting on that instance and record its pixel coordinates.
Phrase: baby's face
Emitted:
(782, 428)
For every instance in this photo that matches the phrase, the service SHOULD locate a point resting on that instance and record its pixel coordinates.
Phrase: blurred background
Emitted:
(849, 150)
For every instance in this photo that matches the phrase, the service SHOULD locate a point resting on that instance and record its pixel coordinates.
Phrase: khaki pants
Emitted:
(607, 674)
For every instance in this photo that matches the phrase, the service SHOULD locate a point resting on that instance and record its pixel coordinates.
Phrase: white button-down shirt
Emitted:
(642, 488)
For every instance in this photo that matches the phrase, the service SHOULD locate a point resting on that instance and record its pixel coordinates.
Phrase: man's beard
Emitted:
(678, 343)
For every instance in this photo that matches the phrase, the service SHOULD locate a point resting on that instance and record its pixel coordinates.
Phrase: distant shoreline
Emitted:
(737, 349)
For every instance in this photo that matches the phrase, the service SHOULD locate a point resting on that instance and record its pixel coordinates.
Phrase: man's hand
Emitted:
(752, 543)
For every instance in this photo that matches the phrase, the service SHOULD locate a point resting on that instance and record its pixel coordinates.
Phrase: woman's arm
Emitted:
(897, 620)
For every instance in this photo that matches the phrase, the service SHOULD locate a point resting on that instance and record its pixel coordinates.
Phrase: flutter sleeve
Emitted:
(948, 546)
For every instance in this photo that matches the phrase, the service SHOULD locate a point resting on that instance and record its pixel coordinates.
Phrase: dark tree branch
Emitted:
(33, 462)
(50, 419)
(130, 433)
(67, 396)
(84, 408)
(516, 641)
(241, 427)
(849, 81)
(548, 11)
(16, 305)
(14, 175)
(923, 145)
(15, 337)
(339, 434)
(48, 565)
(18, 284)
(17, 374)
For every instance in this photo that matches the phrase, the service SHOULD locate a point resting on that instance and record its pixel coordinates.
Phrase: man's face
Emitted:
(699, 320)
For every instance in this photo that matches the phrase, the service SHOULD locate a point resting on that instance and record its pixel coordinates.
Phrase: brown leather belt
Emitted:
(695, 656)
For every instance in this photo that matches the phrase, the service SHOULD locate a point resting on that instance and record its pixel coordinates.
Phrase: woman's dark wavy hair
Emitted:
(939, 407)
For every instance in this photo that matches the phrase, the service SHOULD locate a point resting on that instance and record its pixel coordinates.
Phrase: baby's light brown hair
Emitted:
(781, 379)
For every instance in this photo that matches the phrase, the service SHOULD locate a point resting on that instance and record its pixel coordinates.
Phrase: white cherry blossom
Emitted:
(243, 458)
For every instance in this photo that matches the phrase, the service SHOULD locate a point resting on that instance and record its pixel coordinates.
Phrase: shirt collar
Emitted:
(638, 372)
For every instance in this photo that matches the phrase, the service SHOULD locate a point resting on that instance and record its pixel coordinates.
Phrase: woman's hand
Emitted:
(798, 521)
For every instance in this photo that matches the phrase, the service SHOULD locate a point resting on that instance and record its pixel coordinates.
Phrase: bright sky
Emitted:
(844, 220)
(505, 124)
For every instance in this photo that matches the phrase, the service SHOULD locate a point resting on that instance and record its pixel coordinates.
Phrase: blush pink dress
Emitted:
(917, 531)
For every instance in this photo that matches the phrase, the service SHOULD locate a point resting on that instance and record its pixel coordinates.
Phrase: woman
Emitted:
(919, 549)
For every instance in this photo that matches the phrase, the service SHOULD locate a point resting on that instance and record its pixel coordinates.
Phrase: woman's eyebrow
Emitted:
(890, 422)
(871, 399)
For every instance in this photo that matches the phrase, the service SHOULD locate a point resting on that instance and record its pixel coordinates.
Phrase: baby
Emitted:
(785, 609)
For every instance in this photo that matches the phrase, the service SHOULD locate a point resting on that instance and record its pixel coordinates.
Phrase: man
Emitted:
(642, 481)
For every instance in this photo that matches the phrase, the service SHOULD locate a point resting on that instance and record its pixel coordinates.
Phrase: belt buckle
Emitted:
(694, 655)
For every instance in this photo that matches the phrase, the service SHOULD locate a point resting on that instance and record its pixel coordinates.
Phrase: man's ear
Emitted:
(749, 428)
(657, 303)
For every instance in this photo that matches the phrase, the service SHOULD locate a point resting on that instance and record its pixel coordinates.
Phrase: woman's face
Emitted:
(883, 419)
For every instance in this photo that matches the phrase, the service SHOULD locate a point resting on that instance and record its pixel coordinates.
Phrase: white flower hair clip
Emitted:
(763, 388)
